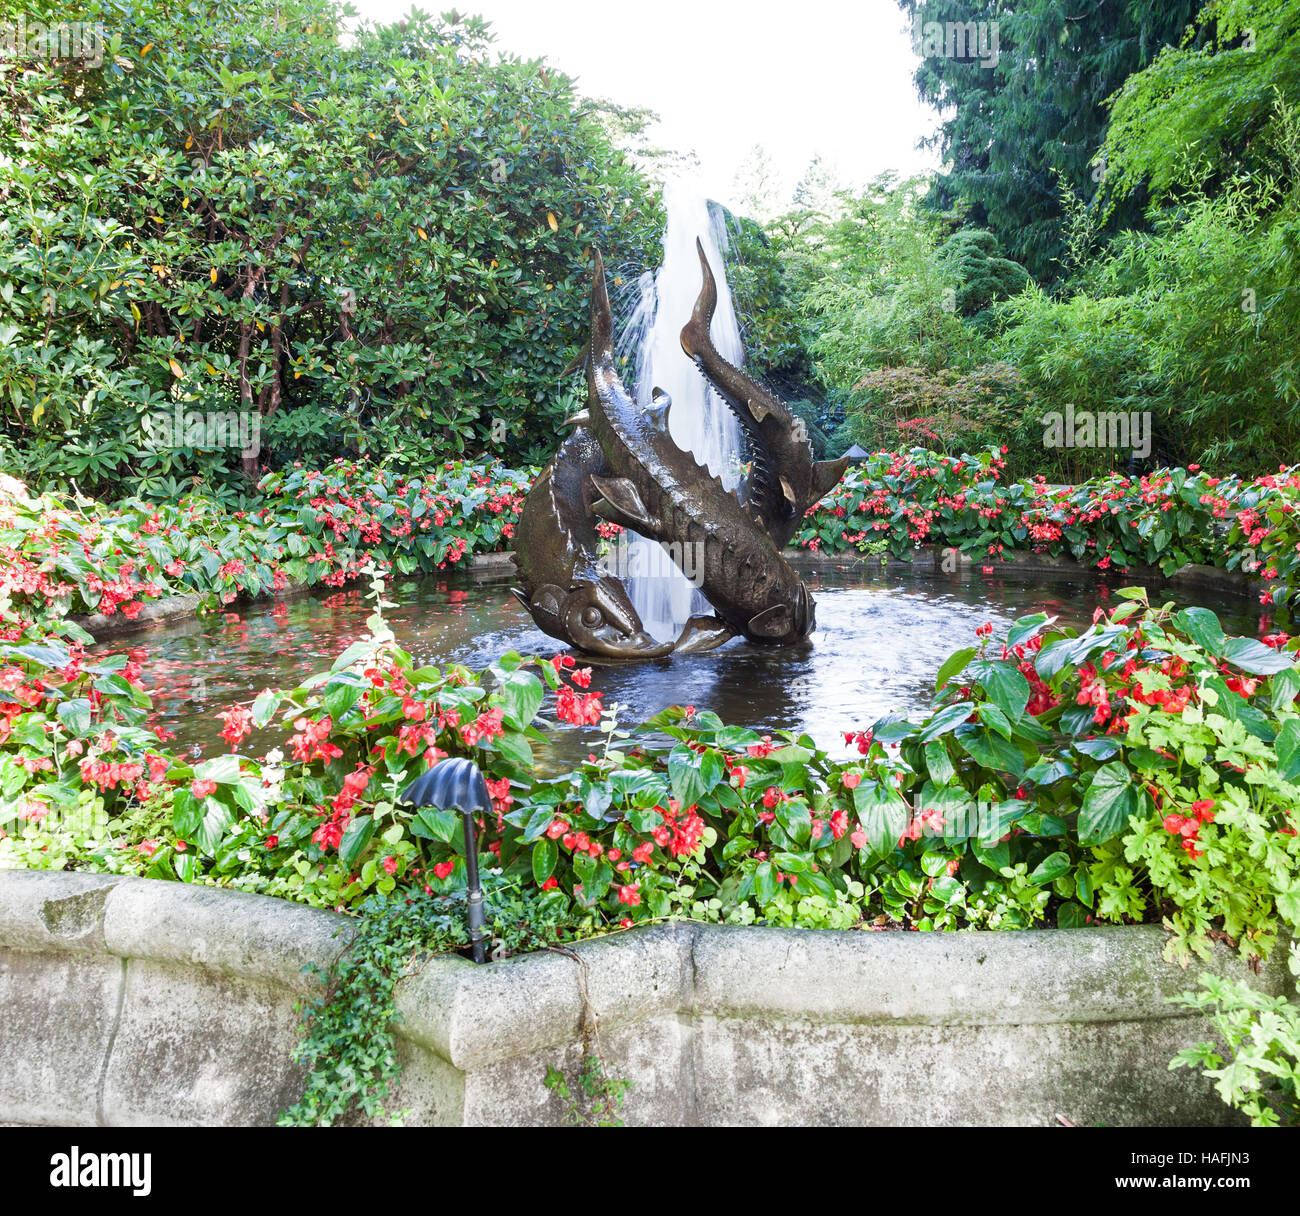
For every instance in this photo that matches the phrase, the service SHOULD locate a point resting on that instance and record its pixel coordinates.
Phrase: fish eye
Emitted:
(591, 615)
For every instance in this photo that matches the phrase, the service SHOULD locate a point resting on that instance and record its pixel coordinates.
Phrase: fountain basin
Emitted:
(882, 633)
(130, 1001)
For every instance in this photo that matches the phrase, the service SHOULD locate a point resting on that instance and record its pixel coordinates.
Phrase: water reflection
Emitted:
(878, 644)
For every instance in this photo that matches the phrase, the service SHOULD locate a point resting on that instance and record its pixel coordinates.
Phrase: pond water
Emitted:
(879, 641)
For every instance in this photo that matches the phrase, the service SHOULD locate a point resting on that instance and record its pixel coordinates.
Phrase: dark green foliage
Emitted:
(983, 275)
(392, 233)
(774, 339)
(1198, 323)
(349, 1048)
(1010, 127)
(1194, 118)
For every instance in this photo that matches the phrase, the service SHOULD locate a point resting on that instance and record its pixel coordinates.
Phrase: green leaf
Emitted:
(515, 748)
(938, 763)
(953, 664)
(441, 825)
(521, 696)
(1288, 749)
(1254, 657)
(990, 749)
(264, 707)
(594, 875)
(995, 819)
(684, 775)
(75, 715)
(1026, 627)
(545, 855)
(883, 815)
(1285, 688)
(1110, 801)
(765, 883)
(340, 697)
(795, 819)
(46, 656)
(945, 720)
(1202, 626)
(1003, 685)
(358, 650)
(1050, 868)
(712, 771)
(356, 836)
(215, 820)
(1049, 772)
(1072, 916)
(995, 856)
(222, 769)
(186, 813)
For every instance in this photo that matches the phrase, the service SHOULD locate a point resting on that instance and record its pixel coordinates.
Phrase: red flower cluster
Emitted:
(580, 709)
(312, 740)
(238, 723)
(1188, 827)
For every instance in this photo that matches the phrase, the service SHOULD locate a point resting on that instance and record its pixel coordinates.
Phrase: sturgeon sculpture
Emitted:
(621, 464)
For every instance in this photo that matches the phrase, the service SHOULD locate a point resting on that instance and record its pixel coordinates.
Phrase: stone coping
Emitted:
(470, 1014)
(131, 1001)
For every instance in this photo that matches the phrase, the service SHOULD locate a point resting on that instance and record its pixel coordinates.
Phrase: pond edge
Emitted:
(134, 1001)
(926, 559)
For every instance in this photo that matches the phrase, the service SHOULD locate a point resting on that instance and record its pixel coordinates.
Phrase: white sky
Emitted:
(828, 76)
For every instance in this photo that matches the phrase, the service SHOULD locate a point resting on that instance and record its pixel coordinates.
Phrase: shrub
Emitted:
(312, 526)
(267, 220)
(945, 411)
(1166, 519)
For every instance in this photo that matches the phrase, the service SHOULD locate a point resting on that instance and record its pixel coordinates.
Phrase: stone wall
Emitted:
(130, 1001)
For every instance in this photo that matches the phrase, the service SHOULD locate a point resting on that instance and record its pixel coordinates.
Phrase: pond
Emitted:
(879, 641)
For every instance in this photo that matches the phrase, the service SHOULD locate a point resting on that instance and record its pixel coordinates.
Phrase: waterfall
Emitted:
(698, 421)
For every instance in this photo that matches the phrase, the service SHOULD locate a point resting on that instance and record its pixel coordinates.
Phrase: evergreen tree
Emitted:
(1023, 90)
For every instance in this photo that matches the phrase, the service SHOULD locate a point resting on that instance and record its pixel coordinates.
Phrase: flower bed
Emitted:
(1145, 769)
(1166, 519)
(326, 526)
(313, 527)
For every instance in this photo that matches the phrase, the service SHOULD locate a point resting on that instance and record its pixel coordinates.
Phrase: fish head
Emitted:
(600, 619)
(783, 609)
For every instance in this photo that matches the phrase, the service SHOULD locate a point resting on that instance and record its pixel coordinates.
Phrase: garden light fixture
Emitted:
(456, 784)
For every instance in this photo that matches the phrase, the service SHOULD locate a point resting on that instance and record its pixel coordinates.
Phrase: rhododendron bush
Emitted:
(1144, 769)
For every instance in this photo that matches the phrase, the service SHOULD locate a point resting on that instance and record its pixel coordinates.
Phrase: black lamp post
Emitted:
(457, 785)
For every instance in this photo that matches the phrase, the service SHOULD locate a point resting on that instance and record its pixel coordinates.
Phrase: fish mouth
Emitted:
(599, 619)
(610, 644)
(784, 622)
